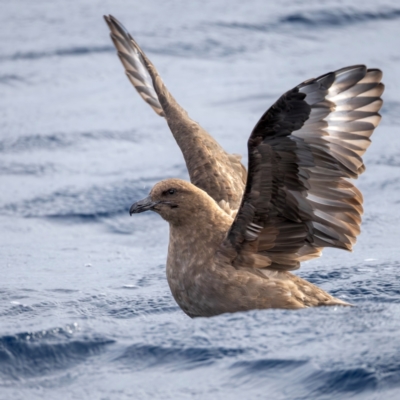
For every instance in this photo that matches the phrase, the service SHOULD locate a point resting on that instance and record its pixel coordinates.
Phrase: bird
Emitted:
(235, 233)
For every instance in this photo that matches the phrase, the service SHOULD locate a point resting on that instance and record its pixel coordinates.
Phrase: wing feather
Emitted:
(210, 168)
(302, 153)
(132, 61)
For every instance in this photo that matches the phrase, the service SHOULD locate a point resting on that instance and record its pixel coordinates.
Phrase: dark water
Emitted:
(85, 310)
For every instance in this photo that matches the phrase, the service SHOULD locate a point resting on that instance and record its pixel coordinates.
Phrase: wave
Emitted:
(121, 306)
(36, 141)
(260, 366)
(149, 356)
(316, 19)
(214, 45)
(343, 381)
(311, 381)
(60, 140)
(353, 380)
(127, 307)
(32, 354)
(337, 18)
(9, 79)
(93, 203)
(16, 168)
(72, 51)
(209, 47)
(356, 282)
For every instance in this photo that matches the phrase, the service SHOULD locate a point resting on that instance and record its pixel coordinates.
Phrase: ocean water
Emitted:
(85, 309)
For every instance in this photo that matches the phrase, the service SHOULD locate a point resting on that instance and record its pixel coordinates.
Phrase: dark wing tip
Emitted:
(116, 25)
(107, 19)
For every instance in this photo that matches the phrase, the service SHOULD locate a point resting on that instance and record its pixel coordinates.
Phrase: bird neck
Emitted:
(199, 239)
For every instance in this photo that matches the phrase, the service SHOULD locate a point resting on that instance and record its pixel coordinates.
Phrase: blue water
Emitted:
(85, 309)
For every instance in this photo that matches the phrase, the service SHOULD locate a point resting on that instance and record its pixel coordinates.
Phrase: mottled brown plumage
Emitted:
(201, 269)
(232, 245)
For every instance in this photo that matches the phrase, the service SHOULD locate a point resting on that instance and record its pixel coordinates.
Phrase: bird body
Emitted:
(204, 281)
(235, 235)
(201, 270)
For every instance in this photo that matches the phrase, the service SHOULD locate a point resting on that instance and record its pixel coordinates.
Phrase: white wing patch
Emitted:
(252, 231)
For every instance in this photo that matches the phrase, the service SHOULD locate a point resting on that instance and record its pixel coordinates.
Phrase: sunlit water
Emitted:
(85, 309)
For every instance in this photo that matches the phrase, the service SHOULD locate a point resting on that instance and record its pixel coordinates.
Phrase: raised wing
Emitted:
(298, 198)
(210, 168)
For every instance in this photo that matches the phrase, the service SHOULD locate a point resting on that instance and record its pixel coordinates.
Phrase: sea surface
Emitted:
(85, 308)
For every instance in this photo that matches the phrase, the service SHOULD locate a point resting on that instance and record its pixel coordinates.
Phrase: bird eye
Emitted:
(171, 191)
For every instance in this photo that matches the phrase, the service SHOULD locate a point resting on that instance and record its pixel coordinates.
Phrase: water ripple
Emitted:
(61, 140)
(147, 356)
(40, 353)
(317, 19)
(72, 51)
(82, 204)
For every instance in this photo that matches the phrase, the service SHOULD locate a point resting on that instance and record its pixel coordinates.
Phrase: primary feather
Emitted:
(301, 154)
(130, 55)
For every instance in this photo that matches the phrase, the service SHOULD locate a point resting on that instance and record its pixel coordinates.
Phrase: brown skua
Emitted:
(234, 236)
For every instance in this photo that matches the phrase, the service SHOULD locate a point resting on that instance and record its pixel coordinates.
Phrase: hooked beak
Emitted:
(142, 205)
